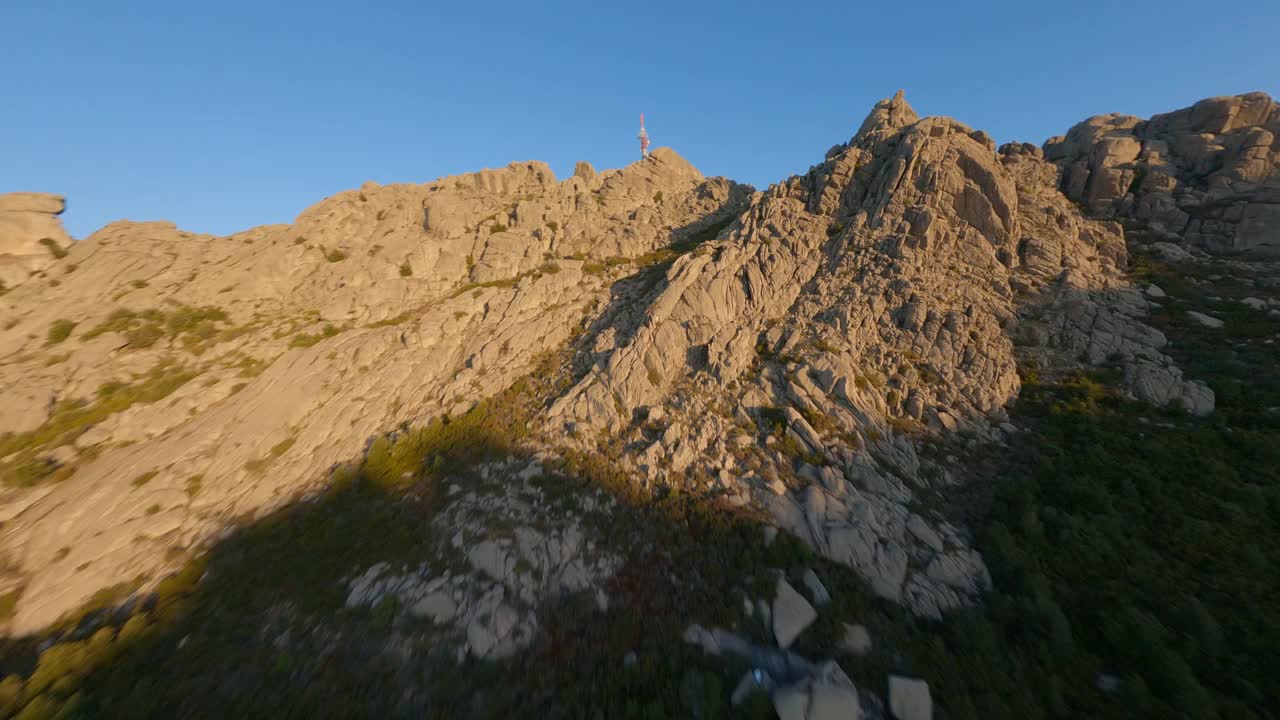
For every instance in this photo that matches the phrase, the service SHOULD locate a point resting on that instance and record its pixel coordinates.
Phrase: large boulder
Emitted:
(1208, 174)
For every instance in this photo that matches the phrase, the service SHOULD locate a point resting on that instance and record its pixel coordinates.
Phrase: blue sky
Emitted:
(224, 115)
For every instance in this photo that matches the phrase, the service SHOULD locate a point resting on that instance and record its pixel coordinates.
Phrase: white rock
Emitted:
(439, 606)
(817, 590)
(1205, 320)
(925, 534)
(856, 639)
(791, 614)
(833, 696)
(792, 702)
(909, 699)
(1170, 252)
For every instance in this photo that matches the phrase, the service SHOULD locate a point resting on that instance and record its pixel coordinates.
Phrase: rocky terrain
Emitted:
(464, 421)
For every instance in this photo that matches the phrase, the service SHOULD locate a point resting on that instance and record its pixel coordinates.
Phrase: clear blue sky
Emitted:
(223, 115)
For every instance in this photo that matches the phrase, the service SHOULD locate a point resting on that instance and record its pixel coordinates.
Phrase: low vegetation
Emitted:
(53, 247)
(194, 327)
(59, 331)
(71, 418)
(305, 340)
(1127, 544)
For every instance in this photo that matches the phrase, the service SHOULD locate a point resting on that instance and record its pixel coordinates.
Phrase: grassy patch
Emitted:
(8, 603)
(194, 327)
(144, 478)
(72, 418)
(391, 321)
(305, 340)
(59, 330)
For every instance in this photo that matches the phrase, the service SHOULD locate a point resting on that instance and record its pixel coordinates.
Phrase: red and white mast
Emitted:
(644, 139)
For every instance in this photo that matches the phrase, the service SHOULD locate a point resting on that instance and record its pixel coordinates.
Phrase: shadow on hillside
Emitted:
(630, 297)
(256, 625)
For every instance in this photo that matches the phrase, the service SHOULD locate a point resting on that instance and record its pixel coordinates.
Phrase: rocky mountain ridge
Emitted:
(794, 351)
(284, 325)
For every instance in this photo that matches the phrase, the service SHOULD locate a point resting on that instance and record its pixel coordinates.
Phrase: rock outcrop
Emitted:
(1208, 175)
(256, 362)
(877, 293)
(511, 551)
(31, 235)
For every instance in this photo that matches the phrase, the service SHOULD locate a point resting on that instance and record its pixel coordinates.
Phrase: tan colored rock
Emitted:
(376, 306)
(31, 235)
(1208, 175)
(886, 284)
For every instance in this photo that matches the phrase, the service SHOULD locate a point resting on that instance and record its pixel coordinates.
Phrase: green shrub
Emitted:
(194, 326)
(59, 330)
(305, 340)
(143, 336)
(145, 478)
(388, 322)
(497, 228)
(54, 248)
(186, 319)
(654, 377)
(283, 446)
(9, 603)
(406, 270)
(335, 255)
(10, 694)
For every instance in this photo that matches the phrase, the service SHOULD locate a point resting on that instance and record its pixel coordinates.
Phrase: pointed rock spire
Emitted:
(891, 113)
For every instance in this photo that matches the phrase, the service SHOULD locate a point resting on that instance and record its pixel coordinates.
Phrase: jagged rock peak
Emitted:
(584, 170)
(31, 235)
(1207, 175)
(673, 163)
(890, 113)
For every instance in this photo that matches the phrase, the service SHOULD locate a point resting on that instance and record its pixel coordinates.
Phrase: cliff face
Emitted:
(789, 349)
(1208, 175)
(878, 292)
